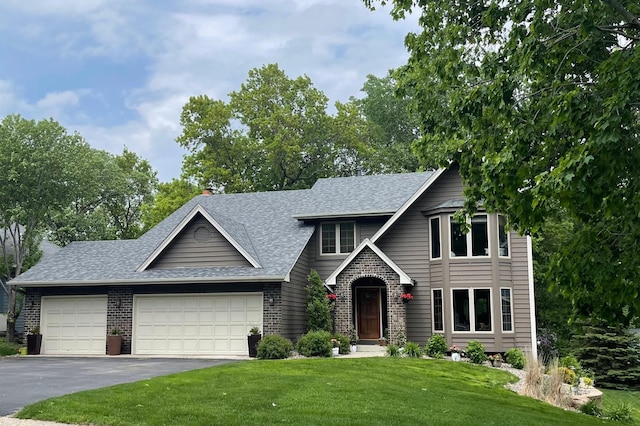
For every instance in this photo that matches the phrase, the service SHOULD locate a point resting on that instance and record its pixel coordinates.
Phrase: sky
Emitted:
(119, 71)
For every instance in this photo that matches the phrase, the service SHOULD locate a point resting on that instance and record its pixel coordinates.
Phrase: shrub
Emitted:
(412, 350)
(393, 351)
(343, 343)
(475, 352)
(591, 408)
(620, 413)
(516, 358)
(401, 337)
(570, 361)
(8, 348)
(436, 346)
(274, 346)
(568, 375)
(315, 343)
(318, 312)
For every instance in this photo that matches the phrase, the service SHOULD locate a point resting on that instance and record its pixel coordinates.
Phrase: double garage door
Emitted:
(162, 324)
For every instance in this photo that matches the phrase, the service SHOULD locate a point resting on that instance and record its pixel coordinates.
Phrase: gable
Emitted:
(199, 245)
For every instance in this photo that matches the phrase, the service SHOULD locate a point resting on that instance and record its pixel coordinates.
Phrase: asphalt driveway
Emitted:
(24, 380)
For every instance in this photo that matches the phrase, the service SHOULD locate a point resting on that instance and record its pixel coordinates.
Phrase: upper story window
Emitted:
(473, 243)
(434, 233)
(503, 237)
(337, 238)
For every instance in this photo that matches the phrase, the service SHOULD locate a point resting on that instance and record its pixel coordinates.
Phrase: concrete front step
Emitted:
(371, 348)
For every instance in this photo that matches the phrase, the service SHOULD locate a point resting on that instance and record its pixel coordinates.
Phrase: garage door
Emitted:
(195, 324)
(74, 325)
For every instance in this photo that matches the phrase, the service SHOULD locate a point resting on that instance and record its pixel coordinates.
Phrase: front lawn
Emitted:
(612, 399)
(366, 391)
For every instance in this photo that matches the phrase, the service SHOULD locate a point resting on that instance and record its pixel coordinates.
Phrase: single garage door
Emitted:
(195, 324)
(74, 325)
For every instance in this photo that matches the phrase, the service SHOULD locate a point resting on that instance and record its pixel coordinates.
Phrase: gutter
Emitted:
(149, 281)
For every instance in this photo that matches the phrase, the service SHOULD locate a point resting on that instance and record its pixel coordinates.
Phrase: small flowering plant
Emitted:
(406, 296)
(335, 343)
(454, 349)
(332, 297)
(496, 357)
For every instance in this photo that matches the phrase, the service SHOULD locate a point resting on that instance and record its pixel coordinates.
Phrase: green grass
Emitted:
(8, 348)
(613, 398)
(366, 391)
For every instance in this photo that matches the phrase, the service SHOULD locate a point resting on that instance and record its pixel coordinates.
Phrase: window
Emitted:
(474, 316)
(337, 238)
(503, 237)
(435, 237)
(505, 306)
(438, 315)
(477, 238)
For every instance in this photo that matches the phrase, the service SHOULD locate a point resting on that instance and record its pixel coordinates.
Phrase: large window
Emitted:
(438, 314)
(474, 316)
(505, 305)
(338, 238)
(477, 238)
(435, 238)
(503, 236)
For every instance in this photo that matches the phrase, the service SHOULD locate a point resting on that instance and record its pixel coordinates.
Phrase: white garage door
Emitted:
(195, 324)
(74, 325)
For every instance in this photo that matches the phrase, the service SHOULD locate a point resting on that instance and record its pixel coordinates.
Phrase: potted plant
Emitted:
(34, 341)
(114, 342)
(385, 338)
(455, 353)
(406, 297)
(496, 360)
(252, 340)
(353, 339)
(335, 350)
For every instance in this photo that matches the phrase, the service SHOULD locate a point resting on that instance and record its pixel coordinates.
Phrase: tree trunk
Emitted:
(11, 315)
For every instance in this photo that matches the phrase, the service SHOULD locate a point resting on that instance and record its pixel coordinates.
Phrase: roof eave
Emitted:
(148, 281)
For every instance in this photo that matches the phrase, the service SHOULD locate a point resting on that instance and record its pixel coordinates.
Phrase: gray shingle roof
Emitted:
(264, 224)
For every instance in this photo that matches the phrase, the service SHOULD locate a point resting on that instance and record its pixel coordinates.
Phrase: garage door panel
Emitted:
(74, 324)
(195, 324)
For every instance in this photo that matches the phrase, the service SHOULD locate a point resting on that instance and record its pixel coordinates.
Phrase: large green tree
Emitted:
(538, 102)
(169, 197)
(273, 134)
(38, 161)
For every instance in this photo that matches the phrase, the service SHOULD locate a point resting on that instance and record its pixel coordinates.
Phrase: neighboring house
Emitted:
(221, 264)
(48, 249)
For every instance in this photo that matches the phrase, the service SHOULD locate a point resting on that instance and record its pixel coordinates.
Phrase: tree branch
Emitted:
(633, 21)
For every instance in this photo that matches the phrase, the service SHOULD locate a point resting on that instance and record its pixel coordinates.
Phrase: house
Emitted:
(221, 264)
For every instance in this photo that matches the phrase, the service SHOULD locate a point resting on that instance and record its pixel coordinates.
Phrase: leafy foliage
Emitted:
(315, 343)
(274, 346)
(537, 105)
(393, 350)
(318, 313)
(612, 354)
(343, 343)
(516, 358)
(169, 197)
(436, 346)
(8, 348)
(475, 352)
(412, 350)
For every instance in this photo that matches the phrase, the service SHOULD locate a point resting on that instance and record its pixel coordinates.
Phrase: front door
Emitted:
(368, 307)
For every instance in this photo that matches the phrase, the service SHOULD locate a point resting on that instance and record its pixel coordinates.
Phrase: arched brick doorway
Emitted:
(370, 307)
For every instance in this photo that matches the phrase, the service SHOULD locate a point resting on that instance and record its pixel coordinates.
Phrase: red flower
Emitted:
(406, 296)
(332, 297)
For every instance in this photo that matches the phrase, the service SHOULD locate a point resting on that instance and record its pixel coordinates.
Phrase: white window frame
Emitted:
(502, 313)
(508, 234)
(337, 236)
(472, 311)
(433, 310)
(431, 237)
(469, 239)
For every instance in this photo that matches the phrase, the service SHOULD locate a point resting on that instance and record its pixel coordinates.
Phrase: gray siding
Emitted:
(185, 251)
(294, 297)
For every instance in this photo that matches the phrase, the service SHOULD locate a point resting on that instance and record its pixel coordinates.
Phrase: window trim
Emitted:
(472, 311)
(468, 236)
(512, 331)
(431, 257)
(337, 237)
(508, 234)
(433, 310)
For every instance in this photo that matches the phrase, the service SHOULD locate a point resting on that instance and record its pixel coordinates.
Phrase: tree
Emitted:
(37, 160)
(169, 197)
(273, 134)
(318, 313)
(538, 103)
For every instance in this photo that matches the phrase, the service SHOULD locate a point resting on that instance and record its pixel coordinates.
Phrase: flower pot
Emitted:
(34, 343)
(496, 363)
(382, 342)
(253, 340)
(405, 301)
(353, 348)
(335, 351)
(455, 356)
(114, 344)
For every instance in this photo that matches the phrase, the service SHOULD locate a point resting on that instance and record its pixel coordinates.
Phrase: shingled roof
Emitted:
(266, 225)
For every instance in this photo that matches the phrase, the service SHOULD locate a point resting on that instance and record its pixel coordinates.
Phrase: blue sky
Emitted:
(119, 71)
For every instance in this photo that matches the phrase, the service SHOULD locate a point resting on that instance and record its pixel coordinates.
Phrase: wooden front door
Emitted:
(368, 307)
